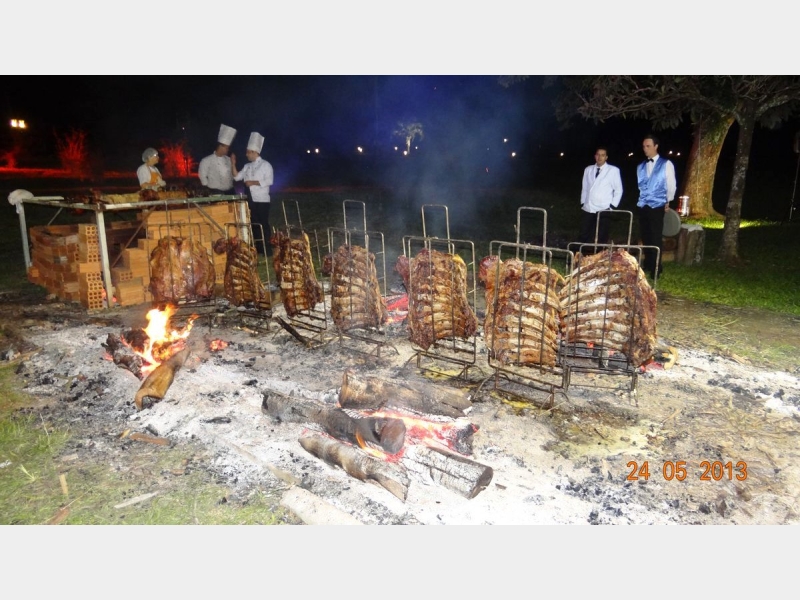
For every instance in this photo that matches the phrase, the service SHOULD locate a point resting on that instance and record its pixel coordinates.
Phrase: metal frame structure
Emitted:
(100, 211)
(311, 319)
(345, 235)
(460, 351)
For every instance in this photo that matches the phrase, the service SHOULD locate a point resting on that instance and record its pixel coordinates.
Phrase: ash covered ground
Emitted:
(571, 463)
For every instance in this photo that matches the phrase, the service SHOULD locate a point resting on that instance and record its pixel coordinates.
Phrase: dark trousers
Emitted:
(589, 225)
(651, 230)
(259, 215)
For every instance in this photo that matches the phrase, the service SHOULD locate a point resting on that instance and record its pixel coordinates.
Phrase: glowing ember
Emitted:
(443, 434)
(217, 345)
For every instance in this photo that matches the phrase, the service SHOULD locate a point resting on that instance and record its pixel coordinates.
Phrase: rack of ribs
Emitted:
(242, 282)
(610, 303)
(438, 307)
(521, 326)
(356, 300)
(294, 271)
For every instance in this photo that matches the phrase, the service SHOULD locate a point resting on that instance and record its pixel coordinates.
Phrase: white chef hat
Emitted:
(256, 142)
(226, 135)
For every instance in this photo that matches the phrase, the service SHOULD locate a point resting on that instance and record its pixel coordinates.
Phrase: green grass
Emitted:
(33, 461)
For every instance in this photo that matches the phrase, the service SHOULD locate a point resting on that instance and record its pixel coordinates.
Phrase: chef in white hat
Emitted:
(215, 171)
(148, 173)
(257, 176)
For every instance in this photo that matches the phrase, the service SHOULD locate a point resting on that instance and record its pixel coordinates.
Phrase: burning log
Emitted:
(387, 433)
(158, 382)
(118, 353)
(373, 393)
(457, 473)
(356, 463)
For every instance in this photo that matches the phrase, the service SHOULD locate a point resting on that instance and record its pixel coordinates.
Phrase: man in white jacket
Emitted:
(214, 170)
(601, 190)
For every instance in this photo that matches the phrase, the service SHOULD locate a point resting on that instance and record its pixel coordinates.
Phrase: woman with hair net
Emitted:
(148, 174)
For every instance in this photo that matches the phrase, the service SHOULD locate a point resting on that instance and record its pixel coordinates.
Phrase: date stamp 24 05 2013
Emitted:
(676, 470)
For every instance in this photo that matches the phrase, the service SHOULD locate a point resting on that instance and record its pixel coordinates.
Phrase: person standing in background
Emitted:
(215, 171)
(257, 176)
(657, 186)
(601, 190)
(148, 173)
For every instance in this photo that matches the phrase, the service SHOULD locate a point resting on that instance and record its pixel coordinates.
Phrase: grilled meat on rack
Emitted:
(242, 282)
(522, 311)
(181, 269)
(356, 300)
(294, 271)
(609, 303)
(438, 307)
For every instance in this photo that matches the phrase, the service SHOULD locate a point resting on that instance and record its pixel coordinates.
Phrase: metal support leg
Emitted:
(101, 235)
(24, 231)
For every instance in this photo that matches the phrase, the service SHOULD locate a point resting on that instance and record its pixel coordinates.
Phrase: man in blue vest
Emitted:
(657, 186)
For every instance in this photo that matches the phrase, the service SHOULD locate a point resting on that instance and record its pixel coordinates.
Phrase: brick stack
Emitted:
(66, 258)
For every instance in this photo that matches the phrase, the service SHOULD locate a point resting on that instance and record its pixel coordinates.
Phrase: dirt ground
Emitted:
(727, 411)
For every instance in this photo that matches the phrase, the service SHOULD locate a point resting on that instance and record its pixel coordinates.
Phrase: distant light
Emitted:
(487, 169)
(630, 154)
(18, 124)
(562, 154)
(316, 150)
(678, 154)
(360, 149)
(505, 140)
(395, 148)
(513, 154)
(308, 151)
(405, 152)
(670, 151)
(416, 147)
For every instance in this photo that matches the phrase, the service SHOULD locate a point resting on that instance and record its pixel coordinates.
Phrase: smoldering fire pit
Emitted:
(563, 465)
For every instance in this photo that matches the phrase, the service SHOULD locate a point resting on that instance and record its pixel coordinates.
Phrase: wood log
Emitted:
(158, 382)
(121, 356)
(388, 434)
(364, 392)
(457, 473)
(691, 245)
(358, 464)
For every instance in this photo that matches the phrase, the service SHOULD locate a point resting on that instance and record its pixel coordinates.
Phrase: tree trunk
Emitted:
(729, 249)
(708, 137)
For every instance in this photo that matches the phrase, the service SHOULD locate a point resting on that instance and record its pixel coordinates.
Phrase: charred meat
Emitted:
(356, 301)
(437, 298)
(181, 269)
(294, 270)
(242, 282)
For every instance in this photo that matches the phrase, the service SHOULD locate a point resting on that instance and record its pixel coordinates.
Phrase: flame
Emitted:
(162, 342)
(217, 345)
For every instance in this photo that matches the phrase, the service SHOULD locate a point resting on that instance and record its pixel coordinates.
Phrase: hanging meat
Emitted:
(242, 282)
(356, 301)
(522, 311)
(438, 307)
(609, 303)
(181, 269)
(294, 271)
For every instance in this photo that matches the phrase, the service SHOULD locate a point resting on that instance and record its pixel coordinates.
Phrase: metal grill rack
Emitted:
(314, 319)
(252, 314)
(352, 234)
(597, 358)
(517, 377)
(454, 350)
(193, 232)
